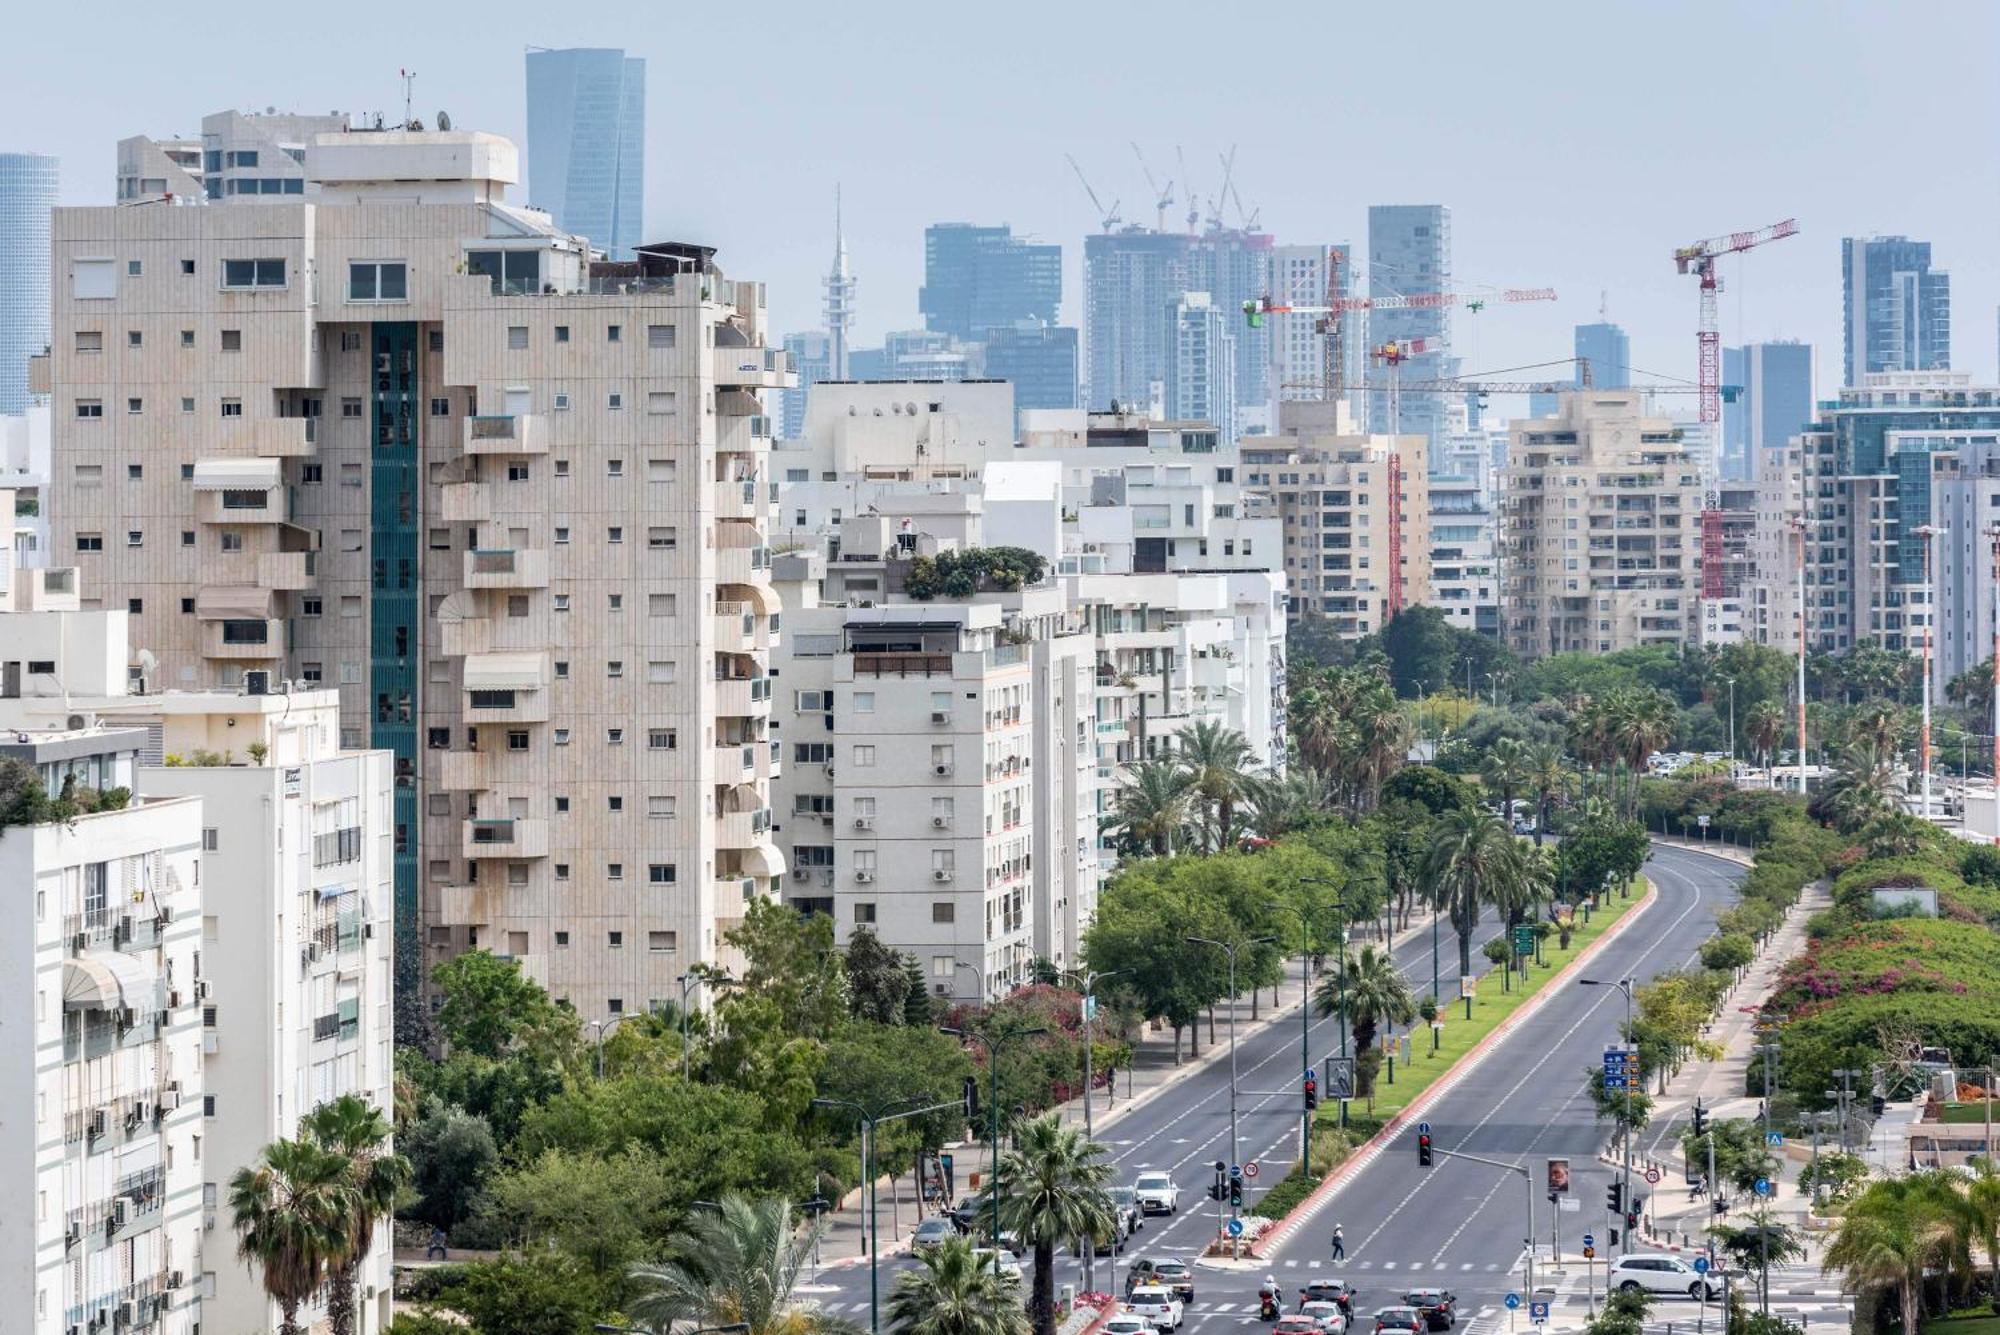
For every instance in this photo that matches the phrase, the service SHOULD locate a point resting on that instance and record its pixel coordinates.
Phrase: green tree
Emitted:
(877, 984)
(790, 960)
(1422, 648)
(917, 1010)
(1727, 951)
(292, 1209)
(1757, 1245)
(1471, 855)
(1436, 791)
(1151, 805)
(358, 1134)
(1982, 1214)
(1372, 989)
(544, 1293)
(1624, 1312)
(1215, 758)
(1052, 1190)
(1740, 1155)
(607, 1211)
(738, 1262)
(1764, 727)
(948, 1292)
(489, 1004)
(1506, 772)
(1282, 804)
(1547, 776)
(878, 1066)
(1597, 853)
(1893, 1233)
(451, 1152)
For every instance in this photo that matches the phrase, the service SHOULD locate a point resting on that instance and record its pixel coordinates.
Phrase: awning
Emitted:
(764, 598)
(233, 602)
(763, 860)
(506, 672)
(237, 474)
(107, 981)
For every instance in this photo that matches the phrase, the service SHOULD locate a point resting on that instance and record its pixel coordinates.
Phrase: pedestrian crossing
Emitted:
(1404, 1267)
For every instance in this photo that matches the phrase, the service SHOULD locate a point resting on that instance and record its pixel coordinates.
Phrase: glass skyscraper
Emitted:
(1409, 253)
(979, 278)
(1605, 346)
(1039, 359)
(587, 143)
(1769, 399)
(1896, 308)
(27, 193)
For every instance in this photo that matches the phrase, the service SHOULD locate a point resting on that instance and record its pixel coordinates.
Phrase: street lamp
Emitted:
(872, 1228)
(691, 979)
(1230, 950)
(600, 1029)
(1087, 980)
(1623, 985)
(994, 1044)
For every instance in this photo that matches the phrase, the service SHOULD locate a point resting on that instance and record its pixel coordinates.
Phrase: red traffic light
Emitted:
(1424, 1150)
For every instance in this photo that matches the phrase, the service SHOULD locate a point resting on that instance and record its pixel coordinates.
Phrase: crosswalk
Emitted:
(1402, 1267)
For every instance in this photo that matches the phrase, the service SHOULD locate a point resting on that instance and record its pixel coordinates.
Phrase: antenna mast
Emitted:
(409, 78)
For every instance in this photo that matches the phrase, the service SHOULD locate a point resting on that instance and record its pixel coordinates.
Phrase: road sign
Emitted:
(1774, 1139)
(1312, 1073)
(1701, 1265)
(1589, 1252)
(1090, 1008)
(1236, 1228)
(1652, 1175)
(1620, 1067)
(1538, 1312)
(1423, 1128)
(1524, 939)
(1236, 1170)
(1701, 821)
(1250, 1169)
(1590, 1239)
(1339, 1078)
(1513, 1301)
(1763, 1187)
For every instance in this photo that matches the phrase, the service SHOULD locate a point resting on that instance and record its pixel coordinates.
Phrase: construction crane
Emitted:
(1193, 200)
(1228, 161)
(1162, 195)
(1699, 260)
(1111, 218)
(1256, 309)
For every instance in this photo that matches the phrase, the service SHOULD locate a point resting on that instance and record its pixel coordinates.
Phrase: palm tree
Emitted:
(1151, 805)
(1894, 1232)
(359, 1135)
(1373, 988)
(738, 1262)
(1471, 857)
(1862, 789)
(1764, 726)
(1051, 1186)
(951, 1293)
(1214, 757)
(1642, 723)
(1982, 1205)
(1506, 771)
(1549, 778)
(1277, 805)
(1878, 725)
(292, 1209)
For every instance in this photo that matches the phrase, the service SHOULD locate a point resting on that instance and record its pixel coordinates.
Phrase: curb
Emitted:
(1366, 1153)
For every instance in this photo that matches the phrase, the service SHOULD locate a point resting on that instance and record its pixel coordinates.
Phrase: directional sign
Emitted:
(1524, 939)
(1236, 1228)
(1236, 1170)
(1763, 1187)
(1652, 1175)
(1513, 1301)
(1701, 821)
(1773, 1139)
(1590, 1240)
(1250, 1169)
(1620, 1067)
(1312, 1073)
(1423, 1128)
(1538, 1312)
(1701, 1265)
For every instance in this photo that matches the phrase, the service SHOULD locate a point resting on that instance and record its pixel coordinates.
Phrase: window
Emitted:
(562, 669)
(562, 535)
(660, 470)
(562, 940)
(562, 333)
(659, 336)
(562, 402)
(660, 808)
(864, 755)
(660, 604)
(135, 538)
(614, 871)
(187, 404)
(187, 338)
(232, 407)
(135, 606)
(614, 333)
(662, 739)
(350, 340)
(562, 871)
(90, 475)
(94, 280)
(232, 340)
(864, 913)
(350, 407)
(616, 940)
(943, 911)
(615, 602)
(662, 942)
(90, 409)
(615, 401)
(562, 736)
(369, 280)
(437, 340)
(133, 268)
(90, 340)
(253, 273)
(864, 702)
(187, 267)
(90, 542)
(311, 605)
(614, 534)
(517, 604)
(614, 468)
(440, 539)
(441, 407)
(562, 468)
(311, 673)
(614, 736)
(562, 602)
(660, 402)
(662, 539)
(517, 472)
(134, 407)
(659, 672)
(517, 336)
(660, 873)
(614, 667)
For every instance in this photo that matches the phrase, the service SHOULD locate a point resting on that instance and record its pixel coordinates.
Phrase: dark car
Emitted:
(1400, 1321)
(1329, 1291)
(965, 1213)
(1437, 1306)
(1175, 1276)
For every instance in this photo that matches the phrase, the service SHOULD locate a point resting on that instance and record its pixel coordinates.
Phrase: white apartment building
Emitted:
(1465, 571)
(1600, 529)
(103, 977)
(240, 157)
(406, 440)
(24, 470)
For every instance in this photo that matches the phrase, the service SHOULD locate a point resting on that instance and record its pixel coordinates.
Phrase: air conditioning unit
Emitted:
(367, 931)
(174, 1000)
(165, 914)
(170, 1097)
(940, 716)
(128, 1313)
(201, 990)
(71, 1236)
(940, 874)
(802, 873)
(79, 941)
(940, 822)
(257, 683)
(941, 770)
(312, 952)
(829, 769)
(864, 822)
(865, 877)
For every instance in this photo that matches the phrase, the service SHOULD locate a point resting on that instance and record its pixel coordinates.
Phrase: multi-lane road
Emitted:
(1458, 1225)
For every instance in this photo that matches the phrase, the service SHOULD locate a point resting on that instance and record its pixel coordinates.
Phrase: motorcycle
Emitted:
(1267, 1308)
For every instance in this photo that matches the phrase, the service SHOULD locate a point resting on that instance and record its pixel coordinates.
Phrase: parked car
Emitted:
(1177, 1277)
(1400, 1321)
(931, 1234)
(1331, 1291)
(1661, 1272)
(1438, 1307)
(1296, 1324)
(1157, 1305)
(1125, 1205)
(1157, 1194)
(1127, 1323)
(1010, 1265)
(1332, 1320)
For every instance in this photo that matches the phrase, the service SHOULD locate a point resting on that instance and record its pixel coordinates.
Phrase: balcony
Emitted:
(521, 433)
(287, 570)
(741, 432)
(463, 771)
(735, 628)
(505, 838)
(253, 640)
(736, 764)
(516, 704)
(738, 500)
(271, 437)
(742, 565)
(507, 568)
(465, 635)
(753, 368)
(465, 503)
(743, 697)
(240, 505)
(744, 829)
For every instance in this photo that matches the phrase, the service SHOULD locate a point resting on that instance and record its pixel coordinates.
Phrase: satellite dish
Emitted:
(146, 660)
(444, 120)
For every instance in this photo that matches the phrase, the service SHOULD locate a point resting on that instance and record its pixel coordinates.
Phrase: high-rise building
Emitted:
(1465, 573)
(28, 184)
(1233, 265)
(1896, 308)
(1129, 277)
(1607, 350)
(507, 500)
(242, 157)
(1201, 362)
(1772, 403)
(1040, 361)
(1298, 350)
(811, 356)
(1600, 538)
(587, 144)
(979, 278)
(1409, 254)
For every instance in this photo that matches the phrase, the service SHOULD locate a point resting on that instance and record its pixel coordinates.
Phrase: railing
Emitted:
(493, 831)
(494, 560)
(493, 428)
(902, 665)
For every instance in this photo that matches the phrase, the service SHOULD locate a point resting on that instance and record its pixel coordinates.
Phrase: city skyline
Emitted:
(710, 189)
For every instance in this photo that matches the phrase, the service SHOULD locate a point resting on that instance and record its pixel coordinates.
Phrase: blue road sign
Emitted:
(1236, 1228)
(1763, 1187)
(1312, 1073)
(1701, 1265)
(1774, 1139)
(1236, 1170)
(1513, 1301)
(1423, 1128)
(1589, 1241)
(1538, 1312)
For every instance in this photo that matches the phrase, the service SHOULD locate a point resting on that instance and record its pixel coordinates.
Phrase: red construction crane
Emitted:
(1699, 259)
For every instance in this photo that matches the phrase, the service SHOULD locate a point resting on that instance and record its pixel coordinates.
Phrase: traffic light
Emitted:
(1614, 1198)
(1236, 1191)
(1632, 1219)
(1614, 1237)
(1424, 1149)
(1638, 1205)
(971, 1097)
(1312, 1094)
(1215, 1190)
(1700, 1119)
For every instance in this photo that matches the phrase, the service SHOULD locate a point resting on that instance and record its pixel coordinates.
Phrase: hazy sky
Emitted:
(1576, 143)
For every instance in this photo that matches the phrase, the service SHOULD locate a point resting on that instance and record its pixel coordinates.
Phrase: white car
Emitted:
(1661, 1272)
(1155, 1304)
(1010, 1265)
(1128, 1323)
(1331, 1319)
(1157, 1194)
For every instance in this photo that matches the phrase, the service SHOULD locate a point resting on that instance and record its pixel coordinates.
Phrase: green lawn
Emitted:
(1974, 1113)
(1489, 1008)
(1963, 1323)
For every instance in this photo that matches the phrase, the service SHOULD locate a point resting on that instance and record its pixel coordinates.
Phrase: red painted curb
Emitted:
(1365, 1152)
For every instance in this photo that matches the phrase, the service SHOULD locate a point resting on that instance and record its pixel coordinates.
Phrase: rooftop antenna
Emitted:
(409, 78)
(1603, 305)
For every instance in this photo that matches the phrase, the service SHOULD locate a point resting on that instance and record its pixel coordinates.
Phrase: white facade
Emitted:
(1465, 570)
(24, 469)
(242, 157)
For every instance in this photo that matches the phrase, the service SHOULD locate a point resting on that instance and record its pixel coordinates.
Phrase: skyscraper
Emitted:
(1297, 349)
(27, 193)
(587, 143)
(980, 278)
(1897, 309)
(1129, 277)
(1233, 265)
(811, 355)
(1201, 363)
(1039, 359)
(1773, 401)
(1608, 351)
(1409, 253)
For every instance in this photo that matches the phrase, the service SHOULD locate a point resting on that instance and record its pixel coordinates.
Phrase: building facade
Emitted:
(1773, 401)
(241, 157)
(1896, 309)
(28, 184)
(506, 500)
(1129, 278)
(1201, 362)
(1465, 571)
(979, 278)
(1409, 254)
(1298, 348)
(1039, 360)
(587, 144)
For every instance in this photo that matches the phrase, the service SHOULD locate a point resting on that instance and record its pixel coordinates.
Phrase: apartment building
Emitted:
(1465, 572)
(1355, 511)
(1600, 536)
(409, 441)
(239, 157)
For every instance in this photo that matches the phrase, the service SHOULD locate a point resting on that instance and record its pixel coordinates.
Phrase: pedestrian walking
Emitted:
(1339, 1244)
(436, 1249)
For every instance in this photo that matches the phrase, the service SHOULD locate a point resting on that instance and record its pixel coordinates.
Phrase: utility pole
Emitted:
(1088, 981)
(1769, 1048)
(1235, 1154)
(1631, 1078)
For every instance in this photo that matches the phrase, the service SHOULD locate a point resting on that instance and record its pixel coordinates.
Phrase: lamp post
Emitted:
(1088, 979)
(1623, 985)
(872, 1228)
(1732, 730)
(601, 1028)
(1339, 973)
(1230, 950)
(1306, 912)
(994, 1044)
(690, 980)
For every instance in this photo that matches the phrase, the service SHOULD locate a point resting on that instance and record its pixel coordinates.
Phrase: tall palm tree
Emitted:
(1764, 726)
(1861, 789)
(1383, 740)
(1896, 1231)
(1506, 772)
(1373, 989)
(1051, 1186)
(950, 1293)
(1277, 805)
(1215, 758)
(1548, 778)
(350, 1128)
(738, 1262)
(292, 1209)
(1642, 722)
(1982, 1203)
(1151, 805)
(1470, 854)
